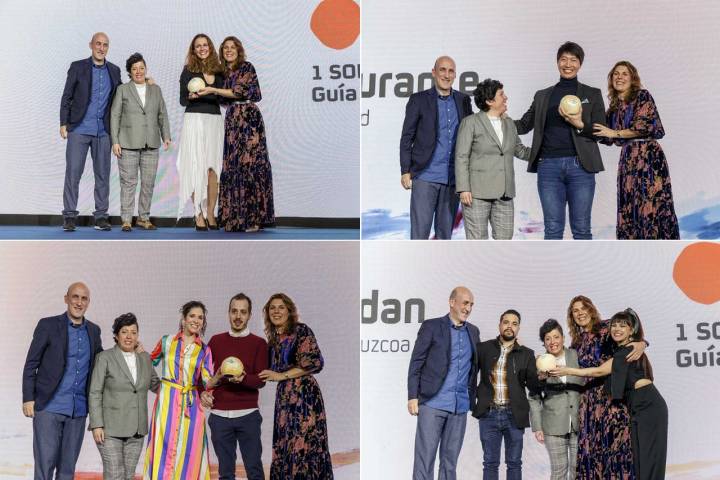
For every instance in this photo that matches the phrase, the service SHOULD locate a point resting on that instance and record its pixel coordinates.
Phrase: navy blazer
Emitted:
(76, 95)
(419, 131)
(430, 359)
(46, 358)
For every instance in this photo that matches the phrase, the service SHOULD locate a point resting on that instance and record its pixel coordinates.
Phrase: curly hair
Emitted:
(124, 320)
(614, 96)
(293, 317)
(134, 58)
(485, 92)
(547, 327)
(240, 57)
(211, 65)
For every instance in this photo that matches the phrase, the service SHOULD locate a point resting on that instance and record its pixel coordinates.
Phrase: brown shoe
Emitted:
(126, 227)
(145, 225)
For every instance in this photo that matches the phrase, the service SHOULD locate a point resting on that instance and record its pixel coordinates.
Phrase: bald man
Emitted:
(427, 152)
(85, 124)
(56, 383)
(441, 386)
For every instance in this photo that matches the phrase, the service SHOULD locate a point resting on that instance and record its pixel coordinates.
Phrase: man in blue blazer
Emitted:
(441, 386)
(85, 123)
(427, 152)
(56, 383)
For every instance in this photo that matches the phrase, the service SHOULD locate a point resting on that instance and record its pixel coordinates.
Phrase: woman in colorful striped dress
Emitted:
(177, 445)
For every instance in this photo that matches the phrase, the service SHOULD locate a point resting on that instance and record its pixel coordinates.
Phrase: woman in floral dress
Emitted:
(604, 447)
(300, 437)
(246, 191)
(177, 445)
(645, 209)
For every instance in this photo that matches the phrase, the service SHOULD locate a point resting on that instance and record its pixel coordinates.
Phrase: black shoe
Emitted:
(201, 228)
(69, 225)
(103, 224)
(213, 227)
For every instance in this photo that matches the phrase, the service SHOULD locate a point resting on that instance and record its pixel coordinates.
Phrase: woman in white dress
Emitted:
(199, 160)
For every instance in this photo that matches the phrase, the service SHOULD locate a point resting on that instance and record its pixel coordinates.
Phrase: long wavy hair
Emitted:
(635, 85)
(574, 329)
(630, 318)
(241, 54)
(293, 317)
(211, 65)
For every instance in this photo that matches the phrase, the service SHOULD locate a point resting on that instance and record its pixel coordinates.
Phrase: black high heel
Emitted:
(201, 228)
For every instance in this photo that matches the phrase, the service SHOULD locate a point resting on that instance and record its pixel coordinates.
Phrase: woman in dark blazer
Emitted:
(138, 126)
(119, 387)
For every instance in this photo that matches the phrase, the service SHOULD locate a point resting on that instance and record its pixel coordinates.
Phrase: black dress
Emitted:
(648, 416)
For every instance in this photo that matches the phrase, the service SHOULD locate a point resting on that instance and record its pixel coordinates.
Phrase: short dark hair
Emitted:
(573, 49)
(485, 91)
(241, 296)
(134, 58)
(124, 320)
(511, 312)
(547, 327)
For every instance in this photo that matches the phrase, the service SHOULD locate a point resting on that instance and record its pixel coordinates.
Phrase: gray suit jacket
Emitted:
(116, 403)
(484, 166)
(134, 126)
(557, 408)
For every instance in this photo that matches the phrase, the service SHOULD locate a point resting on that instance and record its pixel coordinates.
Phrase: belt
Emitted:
(187, 398)
(496, 406)
(240, 102)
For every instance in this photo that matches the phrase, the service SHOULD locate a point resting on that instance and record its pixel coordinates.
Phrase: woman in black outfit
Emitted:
(634, 382)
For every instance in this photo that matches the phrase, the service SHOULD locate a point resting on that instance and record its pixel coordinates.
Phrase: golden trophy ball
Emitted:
(570, 104)
(232, 366)
(196, 84)
(545, 362)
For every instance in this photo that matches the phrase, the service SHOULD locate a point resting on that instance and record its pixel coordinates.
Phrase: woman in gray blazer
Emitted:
(554, 413)
(119, 388)
(484, 173)
(138, 125)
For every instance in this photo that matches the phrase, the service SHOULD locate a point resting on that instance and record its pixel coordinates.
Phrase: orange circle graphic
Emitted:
(336, 23)
(697, 272)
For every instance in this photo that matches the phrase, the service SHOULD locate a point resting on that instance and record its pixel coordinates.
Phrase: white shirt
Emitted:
(131, 363)
(141, 89)
(496, 122)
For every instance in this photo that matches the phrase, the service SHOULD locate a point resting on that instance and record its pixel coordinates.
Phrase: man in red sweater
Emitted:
(235, 418)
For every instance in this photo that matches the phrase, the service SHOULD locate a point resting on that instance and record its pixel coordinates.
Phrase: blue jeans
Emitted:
(75, 156)
(438, 428)
(430, 200)
(495, 426)
(560, 181)
(57, 440)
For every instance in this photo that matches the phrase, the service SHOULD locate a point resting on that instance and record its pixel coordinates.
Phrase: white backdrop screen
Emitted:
(538, 280)
(516, 42)
(153, 280)
(313, 143)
